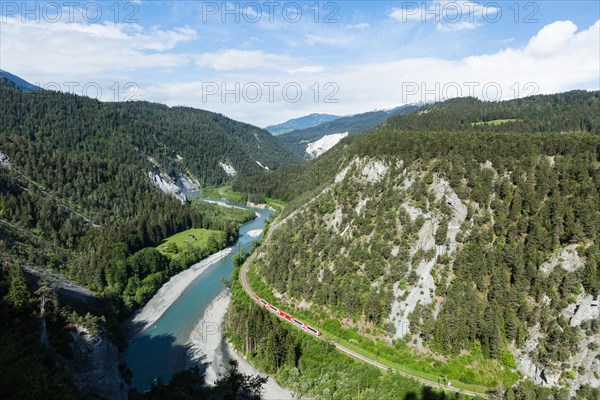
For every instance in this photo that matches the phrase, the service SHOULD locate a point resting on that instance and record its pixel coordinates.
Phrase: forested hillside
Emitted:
(75, 193)
(76, 197)
(20, 83)
(575, 111)
(307, 121)
(178, 139)
(471, 246)
(309, 366)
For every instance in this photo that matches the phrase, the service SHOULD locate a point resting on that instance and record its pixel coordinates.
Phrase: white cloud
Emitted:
(45, 51)
(307, 69)
(330, 40)
(160, 40)
(361, 26)
(406, 14)
(552, 38)
(458, 26)
(233, 59)
(246, 61)
(558, 58)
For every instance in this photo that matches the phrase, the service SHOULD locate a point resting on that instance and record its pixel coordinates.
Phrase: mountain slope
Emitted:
(298, 140)
(575, 111)
(77, 188)
(21, 83)
(178, 139)
(467, 248)
(307, 121)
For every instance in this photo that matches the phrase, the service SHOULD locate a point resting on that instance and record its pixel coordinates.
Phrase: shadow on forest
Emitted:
(70, 294)
(427, 393)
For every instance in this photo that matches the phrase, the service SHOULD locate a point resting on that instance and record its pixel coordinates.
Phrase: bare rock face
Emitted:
(178, 186)
(96, 365)
(585, 361)
(374, 171)
(166, 184)
(4, 160)
(422, 292)
(567, 258)
(586, 308)
(540, 374)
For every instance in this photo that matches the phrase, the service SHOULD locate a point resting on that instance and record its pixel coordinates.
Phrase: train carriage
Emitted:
(287, 317)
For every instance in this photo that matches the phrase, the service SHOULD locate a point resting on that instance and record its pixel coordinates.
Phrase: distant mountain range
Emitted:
(299, 140)
(307, 121)
(21, 83)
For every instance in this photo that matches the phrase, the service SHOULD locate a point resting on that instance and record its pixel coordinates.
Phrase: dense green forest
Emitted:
(132, 132)
(49, 363)
(357, 244)
(565, 194)
(575, 111)
(115, 253)
(75, 195)
(190, 384)
(30, 368)
(311, 367)
(308, 366)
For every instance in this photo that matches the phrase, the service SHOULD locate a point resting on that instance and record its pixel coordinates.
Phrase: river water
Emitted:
(162, 349)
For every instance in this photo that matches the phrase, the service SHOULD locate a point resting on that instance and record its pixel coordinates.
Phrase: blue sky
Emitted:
(265, 62)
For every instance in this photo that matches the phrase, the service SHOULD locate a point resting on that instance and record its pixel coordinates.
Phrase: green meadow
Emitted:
(174, 245)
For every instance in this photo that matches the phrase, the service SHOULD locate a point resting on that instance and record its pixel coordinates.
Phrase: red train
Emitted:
(287, 317)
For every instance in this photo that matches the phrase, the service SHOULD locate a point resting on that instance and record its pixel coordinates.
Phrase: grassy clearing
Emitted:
(175, 245)
(223, 192)
(469, 372)
(496, 121)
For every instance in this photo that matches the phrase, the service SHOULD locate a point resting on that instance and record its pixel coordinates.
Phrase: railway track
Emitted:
(352, 353)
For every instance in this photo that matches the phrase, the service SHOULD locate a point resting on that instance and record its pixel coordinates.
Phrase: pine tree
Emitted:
(18, 296)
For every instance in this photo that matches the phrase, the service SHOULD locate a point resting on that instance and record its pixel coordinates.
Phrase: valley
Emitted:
(300, 200)
(417, 249)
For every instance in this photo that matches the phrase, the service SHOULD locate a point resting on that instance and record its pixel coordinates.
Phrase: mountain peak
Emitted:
(307, 121)
(20, 83)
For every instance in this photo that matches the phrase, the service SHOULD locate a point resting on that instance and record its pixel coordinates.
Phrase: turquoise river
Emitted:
(160, 350)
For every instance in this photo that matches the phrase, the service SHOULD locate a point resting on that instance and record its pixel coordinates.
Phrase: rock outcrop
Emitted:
(584, 363)
(567, 259)
(4, 160)
(96, 365)
(422, 291)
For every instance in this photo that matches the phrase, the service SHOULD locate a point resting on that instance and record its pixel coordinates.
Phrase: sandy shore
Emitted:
(171, 290)
(208, 347)
(222, 204)
(206, 338)
(255, 233)
(261, 205)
